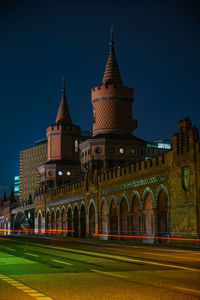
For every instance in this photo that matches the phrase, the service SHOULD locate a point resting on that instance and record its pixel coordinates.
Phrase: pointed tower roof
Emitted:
(112, 73)
(63, 115)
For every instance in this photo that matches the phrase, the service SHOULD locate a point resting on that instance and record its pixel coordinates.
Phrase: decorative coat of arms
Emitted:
(185, 178)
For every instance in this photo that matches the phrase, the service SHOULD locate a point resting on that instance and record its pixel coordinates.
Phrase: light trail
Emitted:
(145, 237)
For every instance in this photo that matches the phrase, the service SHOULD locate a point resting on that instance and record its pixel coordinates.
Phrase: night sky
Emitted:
(158, 51)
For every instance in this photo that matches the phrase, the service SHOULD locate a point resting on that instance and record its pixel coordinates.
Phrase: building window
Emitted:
(98, 150)
(132, 150)
(76, 146)
(94, 116)
(121, 150)
(111, 150)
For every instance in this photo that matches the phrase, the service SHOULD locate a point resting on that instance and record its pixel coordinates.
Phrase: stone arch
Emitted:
(20, 221)
(162, 187)
(122, 198)
(113, 217)
(133, 195)
(82, 220)
(91, 202)
(58, 220)
(124, 216)
(53, 220)
(135, 215)
(115, 200)
(104, 219)
(63, 220)
(69, 220)
(146, 191)
(76, 220)
(92, 217)
(148, 215)
(163, 214)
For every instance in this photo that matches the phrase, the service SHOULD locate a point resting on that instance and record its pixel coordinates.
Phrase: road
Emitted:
(54, 269)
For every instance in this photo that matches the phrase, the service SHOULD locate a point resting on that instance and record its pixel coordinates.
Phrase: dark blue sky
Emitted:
(157, 46)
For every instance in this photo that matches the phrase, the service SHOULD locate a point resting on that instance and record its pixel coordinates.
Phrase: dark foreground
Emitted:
(52, 269)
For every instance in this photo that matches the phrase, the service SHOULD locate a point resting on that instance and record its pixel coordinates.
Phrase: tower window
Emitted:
(76, 146)
(132, 150)
(111, 150)
(98, 150)
(94, 116)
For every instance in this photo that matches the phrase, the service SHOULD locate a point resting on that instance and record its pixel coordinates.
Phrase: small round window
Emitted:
(121, 150)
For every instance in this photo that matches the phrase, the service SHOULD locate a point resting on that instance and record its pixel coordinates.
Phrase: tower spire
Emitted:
(112, 73)
(63, 115)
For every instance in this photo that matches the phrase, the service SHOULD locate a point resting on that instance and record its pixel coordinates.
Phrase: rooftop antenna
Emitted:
(63, 88)
(112, 36)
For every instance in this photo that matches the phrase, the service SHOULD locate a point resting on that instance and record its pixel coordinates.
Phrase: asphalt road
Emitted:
(53, 269)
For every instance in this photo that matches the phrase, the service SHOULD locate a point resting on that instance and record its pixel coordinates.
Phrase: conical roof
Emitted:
(112, 73)
(63, 115)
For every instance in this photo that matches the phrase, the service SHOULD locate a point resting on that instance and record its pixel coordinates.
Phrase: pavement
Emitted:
(59, 269)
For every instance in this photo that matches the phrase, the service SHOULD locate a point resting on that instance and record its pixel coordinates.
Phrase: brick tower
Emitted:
(63, 163)
(113, 142)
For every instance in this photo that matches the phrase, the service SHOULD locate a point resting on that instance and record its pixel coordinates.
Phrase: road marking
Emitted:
(120, 258)
(43, 298)
(109, 273)
(61, 262)
(35, 295)
(116, 257)
(159, 254)
(187, 290)
(31, 254)
(31, 292)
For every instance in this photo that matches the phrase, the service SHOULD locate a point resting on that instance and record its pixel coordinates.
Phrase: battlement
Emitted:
(184, 124)
(112, 90)
(185, 139)
(75, 187)
(63, 128)
(136, 168)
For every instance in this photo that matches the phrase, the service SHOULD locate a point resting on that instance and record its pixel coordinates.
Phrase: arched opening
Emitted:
(91, 220)
(104, 221)
(53, 221)
(63, 221)
(113, 219)
(58, 220)
(135, 218)
(148, 219)
(76, 221)
(39, 223)
(83, 221)
(124, 217)
(163, 216)
(48, 222)
(21, 222)
(69, 221)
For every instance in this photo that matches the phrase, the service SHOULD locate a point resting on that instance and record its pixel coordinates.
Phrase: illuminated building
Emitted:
(30, 159)
(148, 191)
(16, 186)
